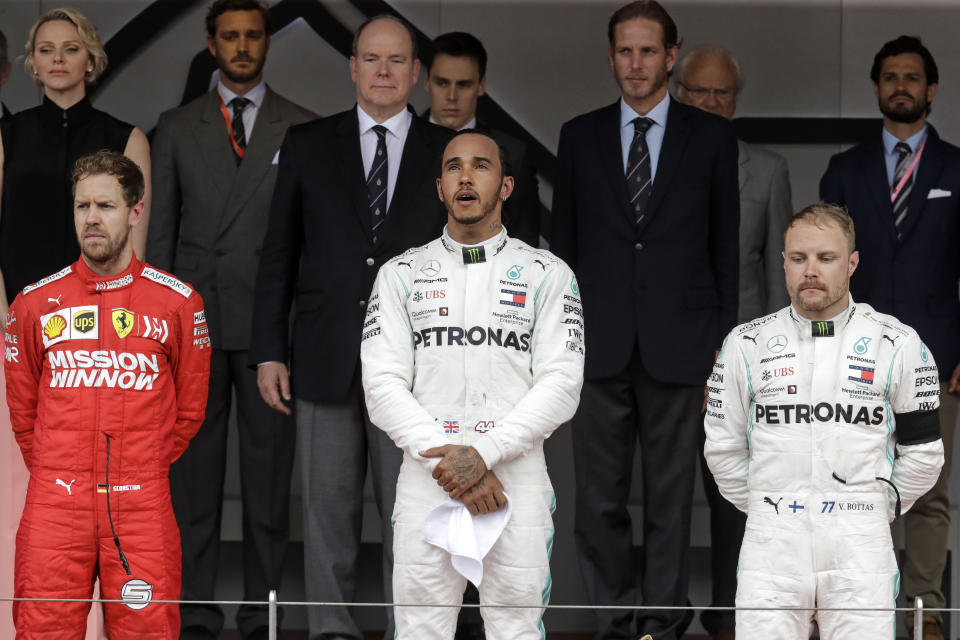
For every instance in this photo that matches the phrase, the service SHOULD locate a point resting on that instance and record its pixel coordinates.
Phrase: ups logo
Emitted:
(84, 321)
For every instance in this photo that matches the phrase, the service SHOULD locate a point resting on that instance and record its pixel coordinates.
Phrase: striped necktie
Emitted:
(236, 125)
(377, 180)
(900, 204)
(638, 168)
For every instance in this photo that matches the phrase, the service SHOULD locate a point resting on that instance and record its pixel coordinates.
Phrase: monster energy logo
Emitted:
(474, 255)
(822, 328)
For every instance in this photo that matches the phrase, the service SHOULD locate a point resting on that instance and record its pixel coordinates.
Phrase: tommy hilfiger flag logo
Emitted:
(513, 298)
(861, 374)
(451, 426)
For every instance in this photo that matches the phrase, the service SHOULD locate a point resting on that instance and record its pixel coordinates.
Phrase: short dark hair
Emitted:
(650, 10)
(905, 44)
(385, 16)
(460, 44)
(502, 151)
(114, 164)
(220, 7)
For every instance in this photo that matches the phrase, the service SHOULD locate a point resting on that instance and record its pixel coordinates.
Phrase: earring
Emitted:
(89, 69)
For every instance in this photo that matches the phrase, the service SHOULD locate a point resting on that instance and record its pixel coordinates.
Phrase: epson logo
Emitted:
(136, 594)
(821, 412)
(448, 336)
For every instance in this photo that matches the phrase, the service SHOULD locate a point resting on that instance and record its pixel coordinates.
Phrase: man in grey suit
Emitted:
(709, 78)
(214, 168)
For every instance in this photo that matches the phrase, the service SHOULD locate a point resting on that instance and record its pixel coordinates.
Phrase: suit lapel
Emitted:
(213, 143)
(268, 131)
(927, 174)
(611, 153)
(671, 151)
(415, 157)
(744, 173)
(351, 167)
(877, 185)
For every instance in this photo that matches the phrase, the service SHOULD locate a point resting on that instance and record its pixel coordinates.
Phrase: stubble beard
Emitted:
(906, 114)
(106, 253)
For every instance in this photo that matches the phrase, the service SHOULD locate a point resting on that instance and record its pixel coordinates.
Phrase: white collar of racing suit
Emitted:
(475, 253)
(807, 328)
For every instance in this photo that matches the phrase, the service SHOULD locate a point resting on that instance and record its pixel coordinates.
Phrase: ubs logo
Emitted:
(84, 321)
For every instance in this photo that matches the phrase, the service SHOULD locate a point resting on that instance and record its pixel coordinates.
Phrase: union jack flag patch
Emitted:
(451, 426)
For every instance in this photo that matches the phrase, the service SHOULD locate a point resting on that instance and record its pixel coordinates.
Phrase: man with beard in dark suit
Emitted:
(456, 78)
(353, 190)
(902, 190)
(646, 211)
(214, 169)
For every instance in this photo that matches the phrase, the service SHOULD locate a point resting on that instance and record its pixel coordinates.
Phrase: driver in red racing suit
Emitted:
(106, 366)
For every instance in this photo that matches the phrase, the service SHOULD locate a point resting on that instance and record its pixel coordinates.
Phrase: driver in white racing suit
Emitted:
(472, 355)
(822, 426)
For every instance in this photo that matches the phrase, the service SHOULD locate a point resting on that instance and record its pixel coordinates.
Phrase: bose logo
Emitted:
(136, 594)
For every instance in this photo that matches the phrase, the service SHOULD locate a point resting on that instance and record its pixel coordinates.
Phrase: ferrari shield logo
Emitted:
(123, 322)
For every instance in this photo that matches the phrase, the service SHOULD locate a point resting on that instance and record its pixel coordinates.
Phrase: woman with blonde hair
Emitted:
(39, 146)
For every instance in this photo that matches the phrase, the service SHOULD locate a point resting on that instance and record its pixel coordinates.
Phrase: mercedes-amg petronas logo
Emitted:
(777, 343)
(430, 269)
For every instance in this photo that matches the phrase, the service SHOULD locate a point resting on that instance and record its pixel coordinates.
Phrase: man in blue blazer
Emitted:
(646, 210)
(902, 190)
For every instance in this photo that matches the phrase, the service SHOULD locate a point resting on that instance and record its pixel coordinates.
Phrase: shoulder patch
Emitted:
(39, 283)
(167, 281)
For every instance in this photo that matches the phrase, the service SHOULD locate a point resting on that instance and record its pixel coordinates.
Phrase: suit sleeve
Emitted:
(726, 447)
(557, 366)
(831, 185)
(725, 229)
(387, 358)
(279, 262)
(23, 370)
(913, 398)
(524, 222)
(563, 235)
(190, 367)
(779, 212)
(165, 203)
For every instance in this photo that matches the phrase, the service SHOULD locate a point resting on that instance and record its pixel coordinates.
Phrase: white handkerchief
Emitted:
(465, 537)
(938, 193)
(276, 157)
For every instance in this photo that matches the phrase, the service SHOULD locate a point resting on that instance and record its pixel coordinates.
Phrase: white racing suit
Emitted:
(478, 346)
(807, 423)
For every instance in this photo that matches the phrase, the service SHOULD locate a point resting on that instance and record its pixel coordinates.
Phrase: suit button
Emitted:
(363, 303)
(638, 246)
(370, 262)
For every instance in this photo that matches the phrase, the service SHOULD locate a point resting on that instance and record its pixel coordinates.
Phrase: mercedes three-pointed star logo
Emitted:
(777, 343)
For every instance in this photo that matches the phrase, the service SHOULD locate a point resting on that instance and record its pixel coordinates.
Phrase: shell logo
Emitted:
(54, 327)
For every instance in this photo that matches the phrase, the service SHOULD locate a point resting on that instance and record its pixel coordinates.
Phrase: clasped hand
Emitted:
(464, 475)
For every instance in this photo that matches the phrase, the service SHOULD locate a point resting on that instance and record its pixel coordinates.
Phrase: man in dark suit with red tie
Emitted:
(646, 210)
(353, 190)
(902, 190)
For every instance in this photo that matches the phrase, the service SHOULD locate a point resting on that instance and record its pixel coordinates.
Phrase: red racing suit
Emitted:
(107, 384)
